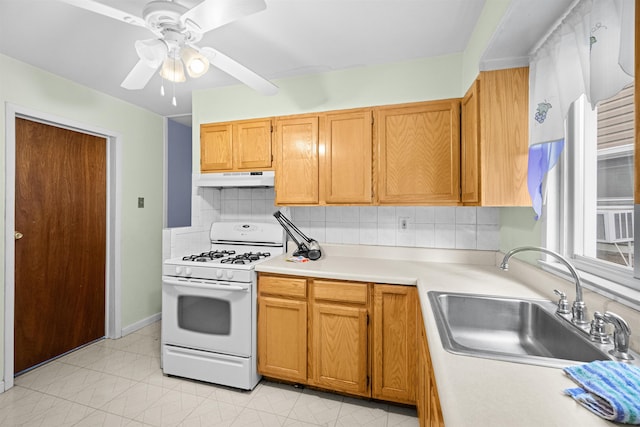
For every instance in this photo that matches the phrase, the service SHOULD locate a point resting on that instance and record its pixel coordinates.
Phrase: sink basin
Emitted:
(511, 329)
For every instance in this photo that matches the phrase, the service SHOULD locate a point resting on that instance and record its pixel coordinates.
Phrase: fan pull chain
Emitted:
(173, 101)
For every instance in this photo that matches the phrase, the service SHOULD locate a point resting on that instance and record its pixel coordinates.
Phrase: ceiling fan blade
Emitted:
(105, 10)
(239, 71)
(212, 14)
(139, 76)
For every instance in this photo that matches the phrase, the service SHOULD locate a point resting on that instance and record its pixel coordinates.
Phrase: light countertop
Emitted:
(472, 391)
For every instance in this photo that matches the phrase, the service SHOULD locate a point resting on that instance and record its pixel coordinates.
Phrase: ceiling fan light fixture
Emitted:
(152, 51)
(173, 70)
(197, 65)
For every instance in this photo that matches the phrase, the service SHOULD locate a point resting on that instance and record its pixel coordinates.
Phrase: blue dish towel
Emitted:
(609, 389)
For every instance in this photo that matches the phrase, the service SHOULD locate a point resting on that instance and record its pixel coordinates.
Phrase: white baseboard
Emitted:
(2, 390)
(141, 324)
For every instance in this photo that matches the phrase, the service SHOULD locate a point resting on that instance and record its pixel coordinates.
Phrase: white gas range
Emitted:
(209, 301)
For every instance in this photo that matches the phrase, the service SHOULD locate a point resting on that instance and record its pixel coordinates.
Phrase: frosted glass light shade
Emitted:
(173, 70)
(196, 64)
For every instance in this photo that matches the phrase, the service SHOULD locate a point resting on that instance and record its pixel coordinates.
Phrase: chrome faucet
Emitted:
(579, 308)
(621, 334)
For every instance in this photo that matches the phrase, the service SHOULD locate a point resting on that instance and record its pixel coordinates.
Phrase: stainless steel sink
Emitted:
(511, 329)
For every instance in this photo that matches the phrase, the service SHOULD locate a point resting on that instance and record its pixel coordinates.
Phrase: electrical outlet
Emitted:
(141, 202)
(403, 223)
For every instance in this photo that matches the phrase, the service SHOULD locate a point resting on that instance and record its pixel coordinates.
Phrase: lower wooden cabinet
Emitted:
(394, 343)
(338, 337)
(427, 401)
(282, 331)
(333, 335)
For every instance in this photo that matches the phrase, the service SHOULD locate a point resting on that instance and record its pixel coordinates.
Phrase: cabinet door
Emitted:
(216, 151)
(418, 151)
(394, 343)
(422, 394)
(470, 140)
(346, 158)
(252, 145)
(297, 160)
(339, 355)
(504, 137)
(435, 412)
(282, 338)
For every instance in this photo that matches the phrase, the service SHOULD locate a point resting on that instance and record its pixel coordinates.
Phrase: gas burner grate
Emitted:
(245, 258)
(209, 256)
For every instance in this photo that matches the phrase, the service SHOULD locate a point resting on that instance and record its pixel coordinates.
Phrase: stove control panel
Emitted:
(196, 271)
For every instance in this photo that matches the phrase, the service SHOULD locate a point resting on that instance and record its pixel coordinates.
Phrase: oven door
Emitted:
(207, 315)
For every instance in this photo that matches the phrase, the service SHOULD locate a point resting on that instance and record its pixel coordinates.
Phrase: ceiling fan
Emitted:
(177, 29)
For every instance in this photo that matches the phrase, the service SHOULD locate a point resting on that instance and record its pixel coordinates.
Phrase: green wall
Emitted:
(488, 21)
(141, 174)
(419, 80)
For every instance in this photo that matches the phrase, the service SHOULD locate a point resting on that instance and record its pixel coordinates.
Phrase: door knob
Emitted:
(17, 235)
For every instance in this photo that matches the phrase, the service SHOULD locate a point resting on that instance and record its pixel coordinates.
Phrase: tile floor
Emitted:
(120, 383)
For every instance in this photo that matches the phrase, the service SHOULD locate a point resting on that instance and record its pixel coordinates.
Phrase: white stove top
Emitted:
(235, 250)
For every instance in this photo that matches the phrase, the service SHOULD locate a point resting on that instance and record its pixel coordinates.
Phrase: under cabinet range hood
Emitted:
(235, 179)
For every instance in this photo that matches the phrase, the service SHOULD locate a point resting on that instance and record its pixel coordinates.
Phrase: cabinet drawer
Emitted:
(340, 291)
(283, 286)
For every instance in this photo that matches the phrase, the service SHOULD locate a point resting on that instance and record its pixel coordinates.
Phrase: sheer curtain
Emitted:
(590, 52)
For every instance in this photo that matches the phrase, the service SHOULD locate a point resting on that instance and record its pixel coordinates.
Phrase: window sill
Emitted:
(607, 288)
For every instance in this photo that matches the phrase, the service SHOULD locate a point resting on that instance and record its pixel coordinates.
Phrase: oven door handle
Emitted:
(204, 285)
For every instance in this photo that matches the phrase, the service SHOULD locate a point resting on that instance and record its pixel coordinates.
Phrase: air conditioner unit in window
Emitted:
(615, 226)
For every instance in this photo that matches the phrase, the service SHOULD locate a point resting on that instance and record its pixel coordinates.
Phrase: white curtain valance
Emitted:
(591, 52)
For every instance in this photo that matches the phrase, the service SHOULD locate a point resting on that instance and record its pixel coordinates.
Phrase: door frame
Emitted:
(113, 307)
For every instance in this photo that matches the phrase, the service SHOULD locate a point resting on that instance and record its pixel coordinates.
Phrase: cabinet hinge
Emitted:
(271, 128)
(367, 318)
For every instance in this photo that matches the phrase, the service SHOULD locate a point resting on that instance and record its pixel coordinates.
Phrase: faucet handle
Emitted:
(597, 332)
(621, 334)
(563, 302)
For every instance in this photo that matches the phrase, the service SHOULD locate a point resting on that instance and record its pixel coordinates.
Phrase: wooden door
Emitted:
(252, 145)
(297, 161)
(394, 343)
(470, 140)
(346, 158)
(60, 260)
(216, 150)
(339, 356)
(418, 149)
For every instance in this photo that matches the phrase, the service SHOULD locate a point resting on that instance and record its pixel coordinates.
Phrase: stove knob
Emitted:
(229, 274)
(187, 271)
(178, 270)
(219, 274)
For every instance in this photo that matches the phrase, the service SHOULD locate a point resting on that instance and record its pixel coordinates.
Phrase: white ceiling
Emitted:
(289, 38)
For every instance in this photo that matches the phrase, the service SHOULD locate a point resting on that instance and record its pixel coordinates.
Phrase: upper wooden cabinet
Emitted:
(495, 139)
(346, 154)
(297, 166)
(418, 153)
(236, 146)
(324, 158)
(469, 145)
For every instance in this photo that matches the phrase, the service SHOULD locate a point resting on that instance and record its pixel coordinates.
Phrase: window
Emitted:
(590, 196)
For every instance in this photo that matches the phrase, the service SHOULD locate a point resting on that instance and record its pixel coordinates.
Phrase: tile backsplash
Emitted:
(412, 226)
